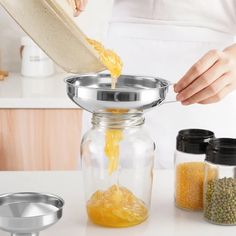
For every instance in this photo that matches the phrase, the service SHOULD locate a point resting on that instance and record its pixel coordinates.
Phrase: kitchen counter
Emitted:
(165, 219)
(23, 92)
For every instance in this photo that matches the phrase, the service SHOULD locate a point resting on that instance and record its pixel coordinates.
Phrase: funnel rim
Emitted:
(12, 194)
(163, 82)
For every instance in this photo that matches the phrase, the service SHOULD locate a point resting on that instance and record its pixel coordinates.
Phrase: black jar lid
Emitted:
(222, 151)
(193, 141)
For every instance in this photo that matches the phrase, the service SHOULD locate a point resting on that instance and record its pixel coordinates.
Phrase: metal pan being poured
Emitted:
(132, 93)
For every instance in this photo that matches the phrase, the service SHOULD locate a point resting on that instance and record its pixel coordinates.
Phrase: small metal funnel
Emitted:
(26, 214)
(132, 93)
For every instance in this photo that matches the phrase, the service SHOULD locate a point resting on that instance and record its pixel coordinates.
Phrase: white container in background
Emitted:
(35, 63)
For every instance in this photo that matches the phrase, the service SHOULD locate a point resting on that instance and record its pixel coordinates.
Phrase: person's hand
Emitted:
(210, 79)
(78, 6)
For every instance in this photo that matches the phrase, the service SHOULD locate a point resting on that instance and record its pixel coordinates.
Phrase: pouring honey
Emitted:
(116, 206)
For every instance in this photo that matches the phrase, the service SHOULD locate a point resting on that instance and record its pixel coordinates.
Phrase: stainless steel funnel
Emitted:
(26, 214)
(132, 93)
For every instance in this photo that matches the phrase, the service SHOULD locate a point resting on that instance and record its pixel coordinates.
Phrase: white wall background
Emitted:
(93, 22)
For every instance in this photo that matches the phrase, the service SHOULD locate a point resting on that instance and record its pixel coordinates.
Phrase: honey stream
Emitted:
(116, 206)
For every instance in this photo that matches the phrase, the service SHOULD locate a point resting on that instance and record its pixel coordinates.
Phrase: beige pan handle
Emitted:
(56, 33)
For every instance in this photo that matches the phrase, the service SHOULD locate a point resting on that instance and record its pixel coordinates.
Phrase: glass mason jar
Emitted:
(189, 168)
(220, 182)
(117, 162)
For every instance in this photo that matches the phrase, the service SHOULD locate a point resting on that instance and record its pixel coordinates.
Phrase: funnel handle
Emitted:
(171, 95)
(25, 234)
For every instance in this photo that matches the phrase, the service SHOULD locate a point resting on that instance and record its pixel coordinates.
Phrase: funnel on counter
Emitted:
(132, 93)
(56, 33)
(26, 214)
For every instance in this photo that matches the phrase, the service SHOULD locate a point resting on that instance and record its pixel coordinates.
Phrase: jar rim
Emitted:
(222, 151)
(118, 120)
(193, 141)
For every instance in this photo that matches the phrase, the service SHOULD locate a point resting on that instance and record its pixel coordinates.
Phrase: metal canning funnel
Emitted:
(26, 214)
(132, 93)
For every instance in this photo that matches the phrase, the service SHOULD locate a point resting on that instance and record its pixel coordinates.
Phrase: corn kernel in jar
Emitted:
(189, 185)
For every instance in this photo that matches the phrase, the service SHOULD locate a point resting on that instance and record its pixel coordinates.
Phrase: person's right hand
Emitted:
(78, 6)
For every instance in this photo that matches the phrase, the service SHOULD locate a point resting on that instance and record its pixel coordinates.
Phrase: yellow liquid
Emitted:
(116, 207)
(110, 59)
(113, 136)
(112, 144)
(112, 148)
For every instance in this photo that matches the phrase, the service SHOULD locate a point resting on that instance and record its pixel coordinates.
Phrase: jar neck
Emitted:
(118, 121)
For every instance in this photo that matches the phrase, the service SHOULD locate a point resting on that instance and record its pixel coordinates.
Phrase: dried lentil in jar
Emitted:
(189, 168)
(220, 192)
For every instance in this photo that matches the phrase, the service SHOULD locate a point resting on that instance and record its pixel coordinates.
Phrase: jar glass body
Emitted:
(121, 197)
(189, 179)
(220, 194)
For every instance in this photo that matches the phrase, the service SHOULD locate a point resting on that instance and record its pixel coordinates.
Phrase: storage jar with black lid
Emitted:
(220, 191)
(189, 167)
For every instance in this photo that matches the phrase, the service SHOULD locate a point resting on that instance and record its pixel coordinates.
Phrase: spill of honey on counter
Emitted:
(116, 207)
(110, 59)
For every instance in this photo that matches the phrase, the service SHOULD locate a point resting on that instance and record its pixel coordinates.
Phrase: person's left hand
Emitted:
(210, 79)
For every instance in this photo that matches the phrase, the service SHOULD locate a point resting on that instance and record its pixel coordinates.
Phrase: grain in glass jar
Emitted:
(189, 168)
(220, 192)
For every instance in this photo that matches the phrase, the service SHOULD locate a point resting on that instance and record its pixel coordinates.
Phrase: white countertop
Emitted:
(165, 219)
(17, 91)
